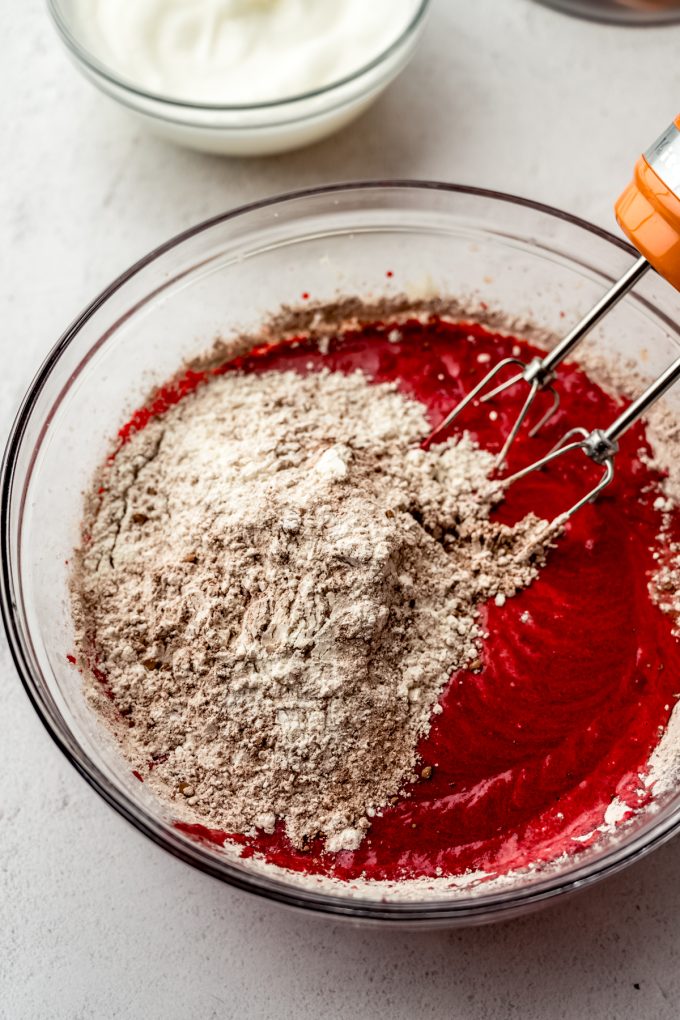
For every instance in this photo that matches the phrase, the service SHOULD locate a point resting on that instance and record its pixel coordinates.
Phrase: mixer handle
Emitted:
(648, 211)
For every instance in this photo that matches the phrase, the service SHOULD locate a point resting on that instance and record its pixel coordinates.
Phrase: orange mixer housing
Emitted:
(648, 211)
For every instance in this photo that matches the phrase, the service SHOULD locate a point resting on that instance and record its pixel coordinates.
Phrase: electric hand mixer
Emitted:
(648, 211)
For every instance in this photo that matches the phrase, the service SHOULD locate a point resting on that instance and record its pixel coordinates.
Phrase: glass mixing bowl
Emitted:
(254, 129)
(222, 278)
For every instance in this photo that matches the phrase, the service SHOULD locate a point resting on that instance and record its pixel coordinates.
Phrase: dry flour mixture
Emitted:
(276, 585)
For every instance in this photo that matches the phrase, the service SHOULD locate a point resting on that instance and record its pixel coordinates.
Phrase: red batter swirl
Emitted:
(579, 671)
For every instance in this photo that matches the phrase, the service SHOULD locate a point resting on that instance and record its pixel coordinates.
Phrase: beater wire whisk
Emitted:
(648, 211)
(602, 445)
(539, 373)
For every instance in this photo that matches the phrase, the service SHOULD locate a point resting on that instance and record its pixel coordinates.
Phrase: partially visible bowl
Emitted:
(225, 277)
(245, 130)
(620, 12)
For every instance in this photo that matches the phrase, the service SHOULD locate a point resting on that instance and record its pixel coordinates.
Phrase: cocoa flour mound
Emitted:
(276, 586)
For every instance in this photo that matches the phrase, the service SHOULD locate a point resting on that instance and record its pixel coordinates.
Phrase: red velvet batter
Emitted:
(529, 752)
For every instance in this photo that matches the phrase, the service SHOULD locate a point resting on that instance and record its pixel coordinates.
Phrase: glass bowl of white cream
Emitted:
(241, 77)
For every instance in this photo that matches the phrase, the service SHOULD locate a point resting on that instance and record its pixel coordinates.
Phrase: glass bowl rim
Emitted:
(98, 67)
(614, 16)
(452, 910)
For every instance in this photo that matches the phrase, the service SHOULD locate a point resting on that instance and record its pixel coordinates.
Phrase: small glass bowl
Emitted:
(224, 277)
(256, 129)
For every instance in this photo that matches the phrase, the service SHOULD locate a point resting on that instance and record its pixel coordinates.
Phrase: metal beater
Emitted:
(649, 213)
(602, 445)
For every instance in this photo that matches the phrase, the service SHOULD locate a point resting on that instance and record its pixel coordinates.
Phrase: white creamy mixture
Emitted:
(239, 51)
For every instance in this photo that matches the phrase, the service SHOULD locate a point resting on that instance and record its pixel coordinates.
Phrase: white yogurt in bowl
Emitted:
(242, 76)
(238, 52)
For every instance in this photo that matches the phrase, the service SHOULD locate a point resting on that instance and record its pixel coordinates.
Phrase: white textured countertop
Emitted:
(94, 920)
